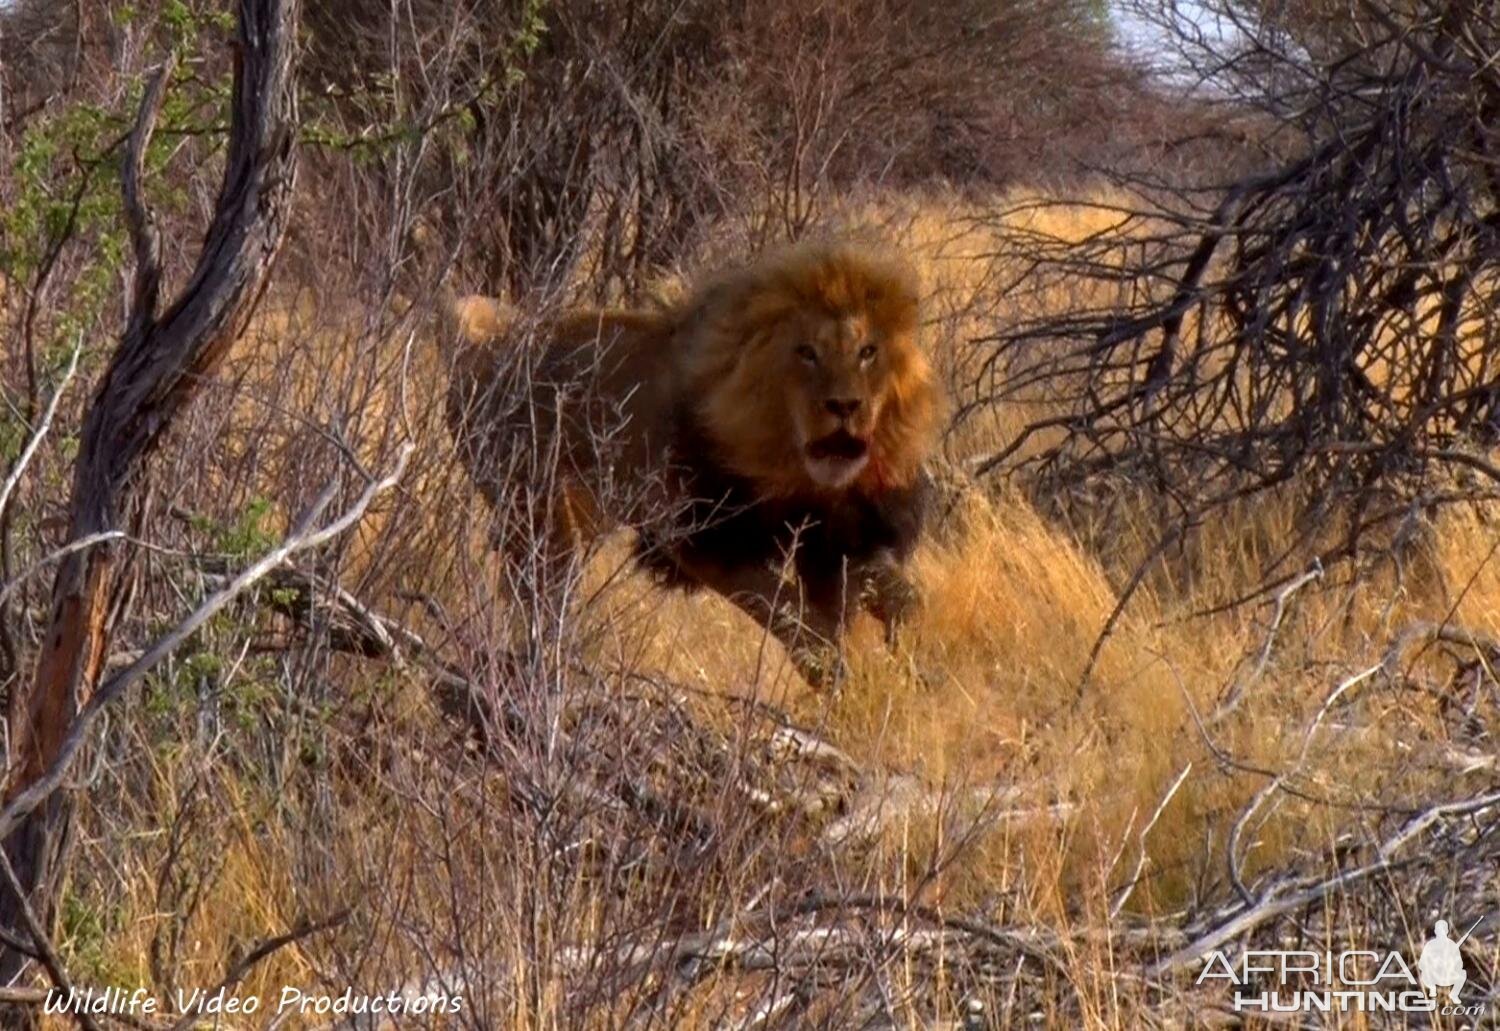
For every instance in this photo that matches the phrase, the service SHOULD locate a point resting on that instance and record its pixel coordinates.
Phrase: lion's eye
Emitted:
(807, 354)
(867, 354)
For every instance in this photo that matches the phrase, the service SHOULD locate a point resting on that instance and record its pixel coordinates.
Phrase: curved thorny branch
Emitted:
(1326, 322)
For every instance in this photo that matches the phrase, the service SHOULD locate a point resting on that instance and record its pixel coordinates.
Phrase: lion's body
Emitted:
(596, 394)
(782, 411)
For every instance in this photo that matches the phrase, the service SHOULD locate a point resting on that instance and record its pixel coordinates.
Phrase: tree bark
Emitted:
(151, 378)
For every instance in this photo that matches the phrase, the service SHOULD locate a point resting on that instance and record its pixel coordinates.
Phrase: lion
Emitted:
(778, 418)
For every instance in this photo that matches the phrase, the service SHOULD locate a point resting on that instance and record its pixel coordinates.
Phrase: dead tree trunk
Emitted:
(153, 374)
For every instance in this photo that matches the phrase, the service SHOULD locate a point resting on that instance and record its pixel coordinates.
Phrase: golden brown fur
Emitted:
(782, 410)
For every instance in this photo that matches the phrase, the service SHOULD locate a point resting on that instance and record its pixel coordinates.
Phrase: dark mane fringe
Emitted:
(725, 519)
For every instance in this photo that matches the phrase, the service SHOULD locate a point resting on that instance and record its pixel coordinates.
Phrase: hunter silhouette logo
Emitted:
(1360, 980)
(1441, 965)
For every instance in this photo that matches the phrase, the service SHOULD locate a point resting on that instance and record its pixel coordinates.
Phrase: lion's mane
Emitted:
(722, 359)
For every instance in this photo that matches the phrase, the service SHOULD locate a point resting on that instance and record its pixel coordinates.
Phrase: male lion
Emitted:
(782, 411)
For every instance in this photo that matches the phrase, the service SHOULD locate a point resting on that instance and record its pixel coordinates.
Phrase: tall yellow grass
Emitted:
(984, 690)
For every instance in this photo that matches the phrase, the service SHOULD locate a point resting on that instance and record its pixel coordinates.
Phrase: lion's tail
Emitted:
(474, 319)
(460, 322)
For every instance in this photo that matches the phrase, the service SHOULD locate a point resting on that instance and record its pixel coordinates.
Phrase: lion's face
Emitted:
(806, 373)
(837, 377)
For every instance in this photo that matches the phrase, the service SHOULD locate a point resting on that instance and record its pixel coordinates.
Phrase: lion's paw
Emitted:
(822, 666)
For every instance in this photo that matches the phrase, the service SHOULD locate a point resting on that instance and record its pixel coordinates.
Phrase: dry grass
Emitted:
(983, 693)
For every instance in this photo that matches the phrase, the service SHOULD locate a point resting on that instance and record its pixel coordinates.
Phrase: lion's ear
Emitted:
(721, 300)
(711, 325)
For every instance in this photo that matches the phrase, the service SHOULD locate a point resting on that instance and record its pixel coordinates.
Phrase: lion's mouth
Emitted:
(840, 445)
(836, 460)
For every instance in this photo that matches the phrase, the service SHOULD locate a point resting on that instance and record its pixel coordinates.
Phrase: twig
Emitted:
(1140, 865)
(1237, 692)
(7, 646)
(61, 553)
(42, 428)
(42, 942)
(1137, 578)
(1488, 647)
(144, 238)
(305, 929)
(1312, 891)
(303, 536)
(1231, 849)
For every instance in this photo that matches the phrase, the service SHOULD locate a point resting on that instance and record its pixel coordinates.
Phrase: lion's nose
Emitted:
(842, 407)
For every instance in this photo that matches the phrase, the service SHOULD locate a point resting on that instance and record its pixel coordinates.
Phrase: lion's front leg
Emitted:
(889, 595)
(879, 584)
(808, 630)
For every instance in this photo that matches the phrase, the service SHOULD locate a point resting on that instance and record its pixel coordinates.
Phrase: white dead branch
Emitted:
(306, 534)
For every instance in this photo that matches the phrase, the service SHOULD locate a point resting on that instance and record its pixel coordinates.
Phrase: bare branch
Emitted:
(1314, 889)
(304, 535)
(1123, 896)
(43, 943)
(39, 433)
(269, 947)
(138, 216)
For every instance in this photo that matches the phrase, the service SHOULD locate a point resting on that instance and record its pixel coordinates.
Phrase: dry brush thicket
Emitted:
(1207, 652)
